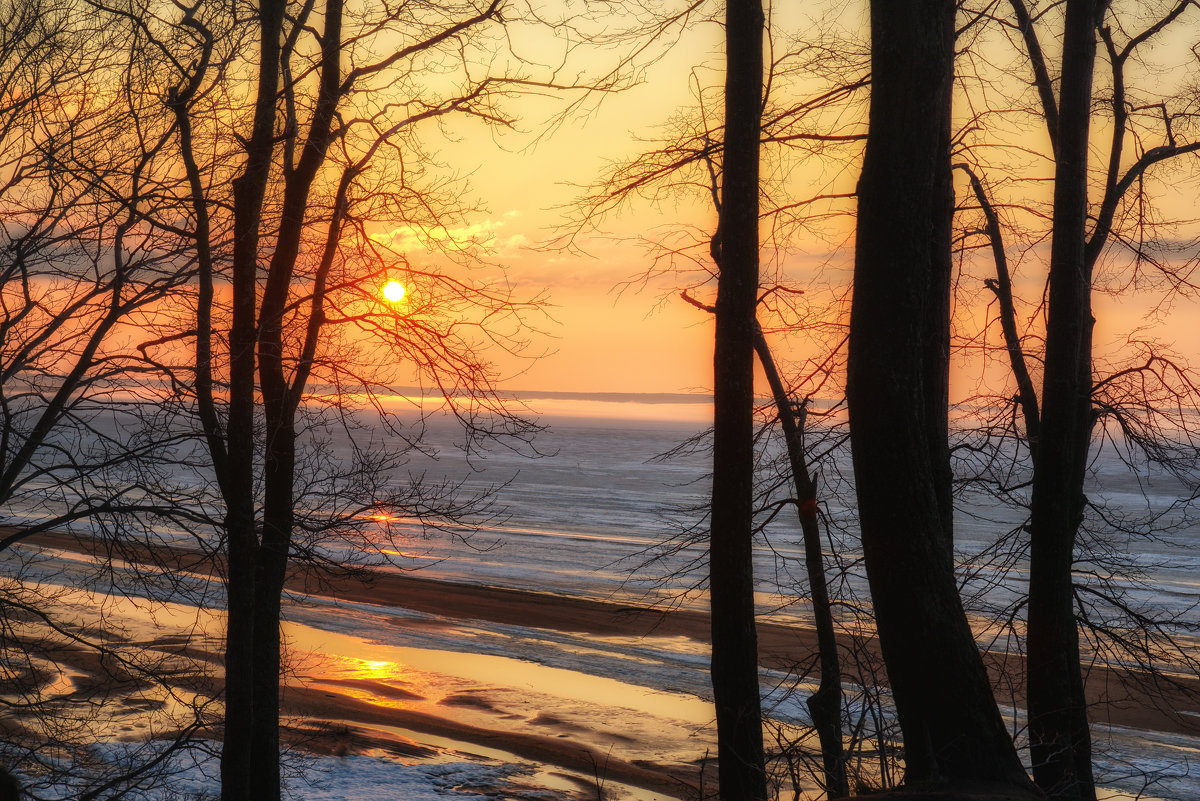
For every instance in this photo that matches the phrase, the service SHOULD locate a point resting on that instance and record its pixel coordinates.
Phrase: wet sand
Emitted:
(677, 781)
(1119, 698)
(326, 710)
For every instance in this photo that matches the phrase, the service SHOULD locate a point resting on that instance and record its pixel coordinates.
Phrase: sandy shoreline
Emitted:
(677, 781)
(1117, 700)
(322, 720)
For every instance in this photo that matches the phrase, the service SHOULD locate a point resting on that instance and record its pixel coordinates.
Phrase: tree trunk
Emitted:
(1060, 743)
(896, 387)
(10, 788)
(270, 570)
(824, 705)
(1001, 286)
(279, 409)
(237, 766)
(731, 573)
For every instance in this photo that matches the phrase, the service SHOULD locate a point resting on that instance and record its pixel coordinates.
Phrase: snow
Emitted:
(365, 778)
(193, 776)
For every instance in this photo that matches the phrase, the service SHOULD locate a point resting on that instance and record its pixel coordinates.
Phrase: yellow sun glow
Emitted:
(394, 291)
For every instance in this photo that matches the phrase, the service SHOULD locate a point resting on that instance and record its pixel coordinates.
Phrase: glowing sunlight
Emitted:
(394, 291)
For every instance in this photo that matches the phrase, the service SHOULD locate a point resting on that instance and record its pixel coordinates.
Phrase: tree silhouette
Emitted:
(78, 269)
(1101, 199)
(731, 564)
(285, 191)
(897, 388)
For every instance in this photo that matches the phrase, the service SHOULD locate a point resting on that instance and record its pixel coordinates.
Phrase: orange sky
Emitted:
(639, 340)
(597, 339)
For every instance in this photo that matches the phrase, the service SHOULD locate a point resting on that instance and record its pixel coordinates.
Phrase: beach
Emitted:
(352, 693)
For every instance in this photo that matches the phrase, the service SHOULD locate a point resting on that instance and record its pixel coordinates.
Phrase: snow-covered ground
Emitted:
(193, 776)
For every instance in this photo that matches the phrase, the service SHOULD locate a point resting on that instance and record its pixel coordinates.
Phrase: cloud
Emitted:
(485, 235)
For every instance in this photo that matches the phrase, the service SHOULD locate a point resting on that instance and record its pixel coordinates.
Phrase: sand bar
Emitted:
(1124, 698)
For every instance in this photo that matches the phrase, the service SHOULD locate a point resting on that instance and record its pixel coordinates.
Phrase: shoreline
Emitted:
(1121, 698)
(314, 703)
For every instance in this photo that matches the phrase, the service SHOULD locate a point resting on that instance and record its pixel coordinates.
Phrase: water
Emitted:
(589, 516)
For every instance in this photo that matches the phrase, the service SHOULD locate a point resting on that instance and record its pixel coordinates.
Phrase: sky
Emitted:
(603, 330)
(596, 336)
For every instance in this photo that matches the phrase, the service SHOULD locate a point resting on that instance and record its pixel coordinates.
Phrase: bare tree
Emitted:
(824, 705)
(1101, 199)
(284, 194)
(1131, 399)
(897, 390)
(731, 564)
(77, 267)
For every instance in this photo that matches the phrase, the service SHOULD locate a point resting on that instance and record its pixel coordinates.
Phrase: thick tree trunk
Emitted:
(731, 574)
(898, 343)
(270, 570)
(1060, 743)
(239, 639)
(270, 564)
(237, 766)
(10, 788)
(279, 409)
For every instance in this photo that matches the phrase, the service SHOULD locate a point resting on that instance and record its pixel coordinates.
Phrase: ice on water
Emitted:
(586, 516)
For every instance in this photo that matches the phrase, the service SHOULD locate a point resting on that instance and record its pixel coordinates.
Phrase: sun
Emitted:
(394, 291)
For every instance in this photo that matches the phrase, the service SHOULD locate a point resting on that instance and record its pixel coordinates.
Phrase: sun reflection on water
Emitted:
(376, 681)
(377, 668)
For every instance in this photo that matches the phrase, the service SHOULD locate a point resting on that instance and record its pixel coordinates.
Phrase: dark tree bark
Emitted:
(279, 408)
(898, 346)
(242, 708)
(1060, 743)
(731, 573)
(824, 705)
(1001, 287)
(10, 788)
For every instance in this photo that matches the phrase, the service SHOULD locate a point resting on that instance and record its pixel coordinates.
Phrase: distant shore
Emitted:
(1121, 698)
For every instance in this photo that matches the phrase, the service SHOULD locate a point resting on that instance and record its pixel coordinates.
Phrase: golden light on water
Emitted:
(394, 291)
